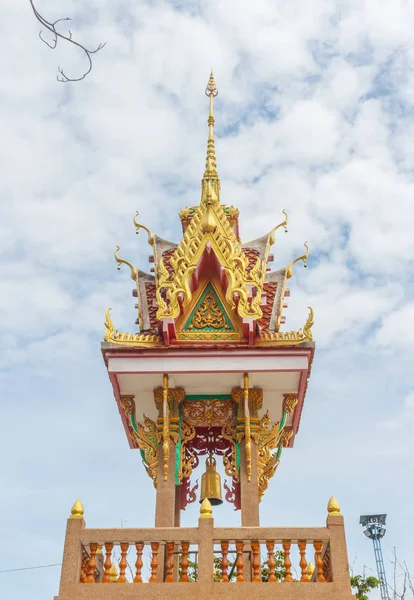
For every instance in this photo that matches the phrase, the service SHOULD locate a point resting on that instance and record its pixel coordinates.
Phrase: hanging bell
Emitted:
(211, 483)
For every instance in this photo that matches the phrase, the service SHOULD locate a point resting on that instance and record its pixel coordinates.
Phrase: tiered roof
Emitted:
(210, 288)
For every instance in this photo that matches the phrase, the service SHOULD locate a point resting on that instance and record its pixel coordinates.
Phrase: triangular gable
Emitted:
(209, 318)
(209, 314)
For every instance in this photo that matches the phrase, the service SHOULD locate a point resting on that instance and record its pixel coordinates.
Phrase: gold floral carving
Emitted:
(146, 439)
(168, 419)
(143, 437)
(227, 248)
(138, 226)
(289, 402)
(230, 463)
(113, 336)
(208, 413)
(255, 401)
(269, 469)
(267, 462)
(271, 338)
(209, 314)
(286, 338)
(121, 261)
(209, 336)
(188, 433)
(303, 258)
(175, 397)
(286, 436)
(271, 438)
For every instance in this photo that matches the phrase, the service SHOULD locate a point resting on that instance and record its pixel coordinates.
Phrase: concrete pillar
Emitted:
(205, 550)
(72, 555)
(165, 515)
(249, 490)
(165, 502)
(339, 554)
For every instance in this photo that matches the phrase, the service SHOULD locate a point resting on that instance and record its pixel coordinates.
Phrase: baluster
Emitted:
(123, 562)
(224, 562)
(138, 563)
(84, 568)
(184, 562)
(154, 561)
(90, 578)
(302, 563)
(169, 563)
(271, 562)
(286, 561)
(108, 563)
(319, 562)
(256, 561)
(239, 561)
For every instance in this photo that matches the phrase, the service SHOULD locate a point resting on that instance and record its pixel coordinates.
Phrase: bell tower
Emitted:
(210, 376)
(212, 379)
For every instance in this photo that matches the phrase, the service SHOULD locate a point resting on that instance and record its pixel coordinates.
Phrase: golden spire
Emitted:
(211, 183)
(77, 510)
(113, 573)
(206, 510)
(334, 509)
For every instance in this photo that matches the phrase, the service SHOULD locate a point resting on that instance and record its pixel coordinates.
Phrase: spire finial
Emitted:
(211, 183)
(206, 510)
(113, 573)
(77, 510)
(333, 507)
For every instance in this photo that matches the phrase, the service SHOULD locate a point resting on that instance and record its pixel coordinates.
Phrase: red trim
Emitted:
(117, 393)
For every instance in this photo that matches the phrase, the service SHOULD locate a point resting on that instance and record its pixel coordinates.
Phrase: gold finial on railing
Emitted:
(310, 569)
(113, 573)
(334, 510)
(77, 510)
(206, 510)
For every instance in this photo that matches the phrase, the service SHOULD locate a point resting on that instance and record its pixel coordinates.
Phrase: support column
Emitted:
(177, 514)
(338, 551)
(72, 556)
(249, 490)
(165, 502)
(339, 554)
(165, 515)
(205, 550)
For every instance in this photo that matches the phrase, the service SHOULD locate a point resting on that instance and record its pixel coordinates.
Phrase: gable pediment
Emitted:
(209, 317)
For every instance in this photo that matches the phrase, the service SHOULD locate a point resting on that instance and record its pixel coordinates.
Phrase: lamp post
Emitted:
(374, 529)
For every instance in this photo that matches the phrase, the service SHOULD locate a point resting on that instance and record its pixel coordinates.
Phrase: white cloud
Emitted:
(315, 114)
(397, 328)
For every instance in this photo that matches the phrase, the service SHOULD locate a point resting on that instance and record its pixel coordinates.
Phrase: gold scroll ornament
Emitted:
(209, 314)
(144, 437)
(208, 413)
(269, 439)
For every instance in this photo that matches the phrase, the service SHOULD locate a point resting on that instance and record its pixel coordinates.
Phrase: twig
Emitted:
(51, 26)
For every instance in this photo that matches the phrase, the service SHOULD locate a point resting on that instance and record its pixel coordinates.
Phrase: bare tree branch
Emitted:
(51, 26)
(399, 590)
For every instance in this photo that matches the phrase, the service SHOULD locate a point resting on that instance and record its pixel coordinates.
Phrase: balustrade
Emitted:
(268, 561)
(315, 557)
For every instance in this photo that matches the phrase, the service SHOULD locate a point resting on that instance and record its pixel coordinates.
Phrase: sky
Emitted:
(315, 114)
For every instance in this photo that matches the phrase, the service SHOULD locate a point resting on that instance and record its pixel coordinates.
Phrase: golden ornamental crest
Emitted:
(209, 314)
